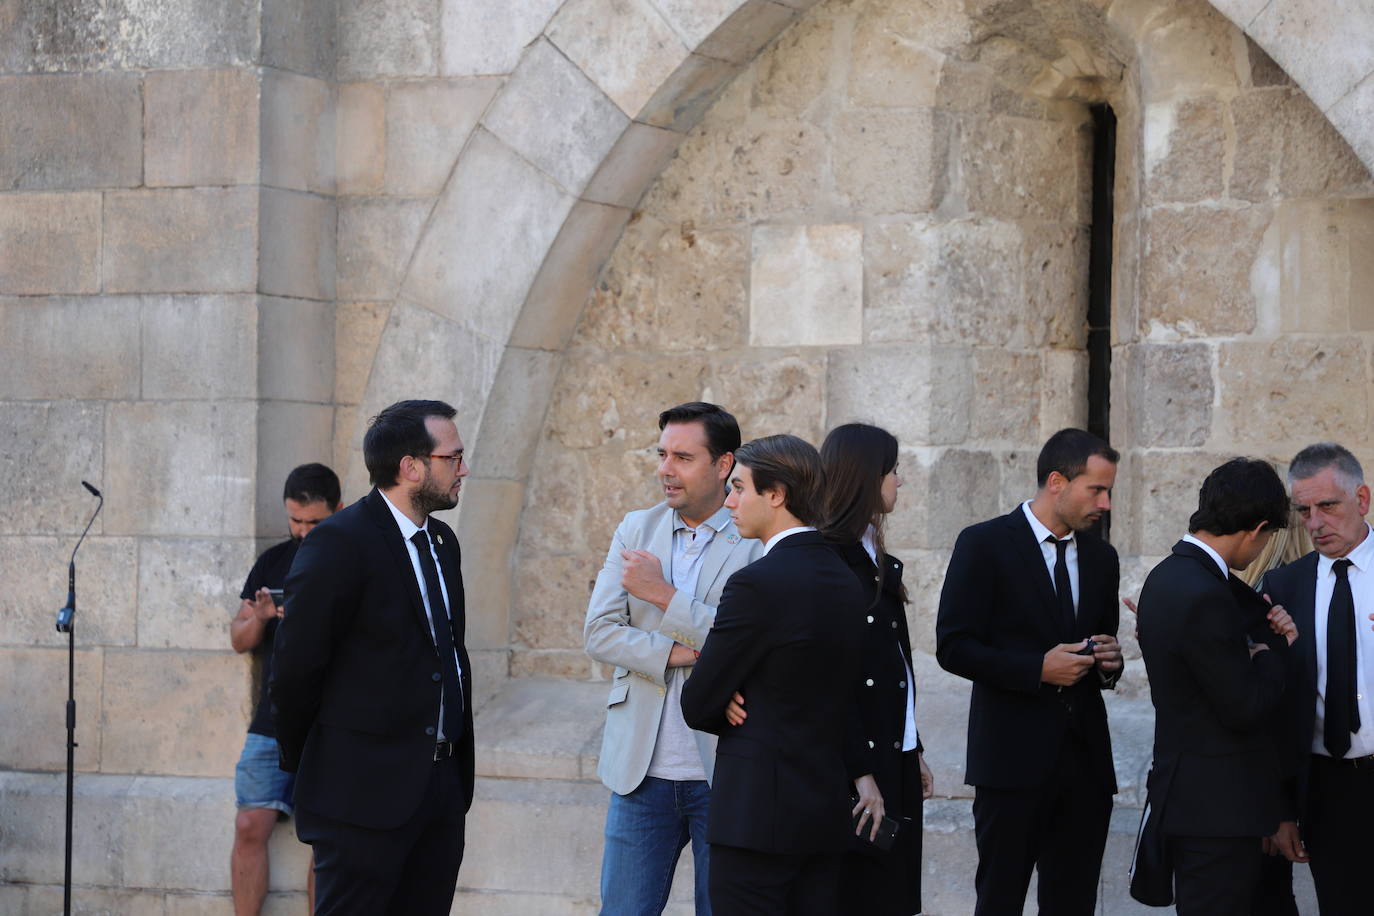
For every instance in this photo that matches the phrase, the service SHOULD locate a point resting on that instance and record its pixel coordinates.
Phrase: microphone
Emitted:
(94, 491)
(68, 611)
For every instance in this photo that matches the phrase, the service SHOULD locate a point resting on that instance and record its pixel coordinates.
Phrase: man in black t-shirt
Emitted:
(262, 788)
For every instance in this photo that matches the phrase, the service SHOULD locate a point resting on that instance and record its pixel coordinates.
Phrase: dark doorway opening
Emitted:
(1100, 278)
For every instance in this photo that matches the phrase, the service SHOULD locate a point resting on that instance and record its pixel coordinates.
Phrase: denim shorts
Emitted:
(258, 780)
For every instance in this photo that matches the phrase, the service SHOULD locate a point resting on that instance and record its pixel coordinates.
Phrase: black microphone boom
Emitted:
(64, 616)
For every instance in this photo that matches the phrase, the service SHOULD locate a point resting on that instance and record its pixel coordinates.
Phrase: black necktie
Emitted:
(1342, 713)
(443, 640)
(1068, 619)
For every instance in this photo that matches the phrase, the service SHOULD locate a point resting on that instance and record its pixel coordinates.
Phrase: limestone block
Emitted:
(52, 243)
(1351, 115)
(106, 590)
(793, 76)
(295, 350)
(806, 285)
(47, 449)
(893, 66)
(200, 485)
(778, 392)
(298, 235)
(488, 525)
(1185, 145)
(179, 714)
(1196, 270)
(1319, 249)
(297, 132)
(34, 698)
(1170, 389)
(299, 36)
(289, 434)
(1264, 71)
(427, 124)
(541, 729)
(357, 331)
(611, 481)
(199, 347)
(567, 664)
(685, 96)
(200, 127)
(1187, 47)
(919, 393)
(487, 903)
(1017, 468)
(485, 38)
(490, 671)
(360, 138)
(378, 38)
(1288, 148)
(1064, 399)
(1055, 268)
(1307, 389)
(740, 36)
(891, 161)
(958, 495)
(550, 598)
(348, 452)
(189, 590)
(1008, 387)
(514, 413)
(1241, 12)
(624, 46)
(202, 240)
(486, 239)
(1161, 496)
(615, 397)
(376, 238)
(1327, 53)
(556, 118)
(1019, 168)
(70, 131)
(69, 347)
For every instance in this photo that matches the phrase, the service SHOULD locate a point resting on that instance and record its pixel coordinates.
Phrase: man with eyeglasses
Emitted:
(371, 681)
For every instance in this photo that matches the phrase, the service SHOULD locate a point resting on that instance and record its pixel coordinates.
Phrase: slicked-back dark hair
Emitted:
(1068, 451)
(396, 432)
(1238, 496)
(790, 463)
(312, 483)
(722, 430)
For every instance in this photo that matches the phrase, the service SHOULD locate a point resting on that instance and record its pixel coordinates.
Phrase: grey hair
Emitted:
(1314, 459)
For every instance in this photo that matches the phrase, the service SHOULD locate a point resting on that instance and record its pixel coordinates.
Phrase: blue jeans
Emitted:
(645, 832)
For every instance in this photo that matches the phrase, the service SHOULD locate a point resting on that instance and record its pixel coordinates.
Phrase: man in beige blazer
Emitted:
(654, 601)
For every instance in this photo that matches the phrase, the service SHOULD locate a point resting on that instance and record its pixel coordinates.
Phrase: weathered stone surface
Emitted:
(612, 481)
(891, 161)
(1351, 115)
(295, 350)
(542, 729)
(751, 26)
(106, 590)
(522, 389)
(1007, 385)
(546, 90)
(1263, 70)
(73, 347)
(1161, 494)
(566, 664)
(604, 397)
(297, 132)
(199, 485)
(1186, 47)
(1306, 389)
(772, 392)
(298, 233)
(1185, 145)
(625, 46)
(183, 716)
(1325, 58)
(289, 434)
(1056, 272)
(1020, 168)
(488, 38)
(946, 490)
(200, 128)
(550, 600)
(427, 124)
(52, 243)
(378, 38)
(357, 331)
(1171, 394)
(1315, 267)
(489, 522)
(47, 448)
(202, 240)
(792, 77)
(919, 393)
(486, 239)
(1195, 274)
(1286, 147)
(360, 138)
(893, 65)
(70, 131)
(189, 588)
(806, 285)
(299, 35)
(376, 238)
(688, 93)
(199, 347)
(1064, 399)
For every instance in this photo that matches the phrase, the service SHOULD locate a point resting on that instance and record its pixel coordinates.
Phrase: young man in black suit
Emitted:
(787, 638)
(1215, 658)
(371, 681)
(1330, 593)
(1029, 614)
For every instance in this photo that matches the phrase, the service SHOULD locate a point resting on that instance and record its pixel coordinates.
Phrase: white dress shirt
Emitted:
(408, 529)
(1361, 576)
(1050, 552)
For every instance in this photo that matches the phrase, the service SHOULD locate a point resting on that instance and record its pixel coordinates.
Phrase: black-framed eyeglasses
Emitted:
(456, 458)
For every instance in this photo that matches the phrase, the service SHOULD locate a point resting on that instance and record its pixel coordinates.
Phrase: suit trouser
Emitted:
(746, 882)
(1215, 876)
(1339, 833)
(1274, 890)
(409, 871)
(1058, 829)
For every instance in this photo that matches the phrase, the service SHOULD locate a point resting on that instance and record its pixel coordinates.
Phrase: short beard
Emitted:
(428, 499)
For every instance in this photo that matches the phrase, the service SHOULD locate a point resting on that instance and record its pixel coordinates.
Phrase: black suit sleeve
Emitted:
(734, 645)
(1242, 692)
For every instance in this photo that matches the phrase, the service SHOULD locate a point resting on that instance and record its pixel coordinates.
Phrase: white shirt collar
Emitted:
(785, 533)
(408, 528)
(1361, 557)
(870, 544)
(1038, 527)
(1225, 571)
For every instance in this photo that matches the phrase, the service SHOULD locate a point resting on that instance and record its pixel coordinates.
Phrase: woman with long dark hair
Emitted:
(861, 489)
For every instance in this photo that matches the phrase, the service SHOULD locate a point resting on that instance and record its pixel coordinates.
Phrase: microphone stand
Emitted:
(65, 619)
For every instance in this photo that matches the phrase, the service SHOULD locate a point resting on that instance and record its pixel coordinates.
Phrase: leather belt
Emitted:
(1365, 762)
(444, 750)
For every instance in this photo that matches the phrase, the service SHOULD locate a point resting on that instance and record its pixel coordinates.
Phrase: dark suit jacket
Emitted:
(787, 636)
(1214, 704)
(355, 678)
(998, 617)
(1295, 587)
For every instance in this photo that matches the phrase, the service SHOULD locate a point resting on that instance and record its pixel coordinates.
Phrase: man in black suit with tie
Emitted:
(1330, 593)
(787, 637)
(1029, 614)
(371, 681)
(1215, 658)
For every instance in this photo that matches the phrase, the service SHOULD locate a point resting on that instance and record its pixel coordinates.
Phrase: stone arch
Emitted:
(596, 106)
